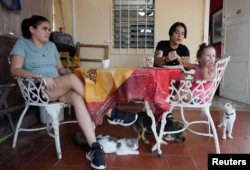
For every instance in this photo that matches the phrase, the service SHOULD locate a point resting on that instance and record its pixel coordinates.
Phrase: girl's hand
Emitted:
(49, 83)
(209, 63)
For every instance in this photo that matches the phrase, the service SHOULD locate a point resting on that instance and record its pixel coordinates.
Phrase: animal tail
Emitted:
(79, 141)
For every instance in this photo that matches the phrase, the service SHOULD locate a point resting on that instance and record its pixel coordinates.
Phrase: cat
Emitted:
(228, 119)
(143, 125)
(125, 146)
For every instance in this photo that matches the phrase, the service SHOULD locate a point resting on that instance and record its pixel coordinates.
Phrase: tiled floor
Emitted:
(36, 150)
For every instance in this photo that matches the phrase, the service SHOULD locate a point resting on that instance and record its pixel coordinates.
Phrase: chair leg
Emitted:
(159, 140)
(183, 117)
(153, 127)
(18, 125)
(211, 122)
(53, 111)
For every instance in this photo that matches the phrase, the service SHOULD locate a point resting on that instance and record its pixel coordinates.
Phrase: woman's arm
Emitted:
(158, 60)
(16, 68)
(61, 69)
(189, 66)
(17, 71)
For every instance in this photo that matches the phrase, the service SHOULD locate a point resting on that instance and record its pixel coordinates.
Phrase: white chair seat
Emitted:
(33, 93)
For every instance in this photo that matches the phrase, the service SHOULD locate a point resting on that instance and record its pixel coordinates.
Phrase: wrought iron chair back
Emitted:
(188, 95)
(203, 92)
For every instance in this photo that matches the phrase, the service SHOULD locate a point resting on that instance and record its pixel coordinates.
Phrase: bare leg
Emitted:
(64, 84)
(82, 115)
(70, 89)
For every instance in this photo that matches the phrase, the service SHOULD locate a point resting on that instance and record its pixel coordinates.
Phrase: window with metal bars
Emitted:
(133, 24)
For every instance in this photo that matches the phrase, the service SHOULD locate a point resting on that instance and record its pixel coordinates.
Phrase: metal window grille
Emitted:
(133, 25)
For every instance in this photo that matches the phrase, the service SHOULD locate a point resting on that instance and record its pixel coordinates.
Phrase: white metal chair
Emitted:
(203, 99)
(33, 93)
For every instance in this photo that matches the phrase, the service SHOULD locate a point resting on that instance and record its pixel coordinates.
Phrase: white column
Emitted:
(74, 21)
(206, 21)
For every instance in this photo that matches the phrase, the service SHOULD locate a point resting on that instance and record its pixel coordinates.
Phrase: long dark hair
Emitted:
(33, 21)
(173, 28)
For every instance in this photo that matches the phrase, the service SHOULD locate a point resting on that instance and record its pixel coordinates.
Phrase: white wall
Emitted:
(93, 24)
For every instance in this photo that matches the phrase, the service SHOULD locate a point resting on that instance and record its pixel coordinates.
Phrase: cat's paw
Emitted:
(219, 125)
(136, 152)
(224, 136)
(230, 136)
(164, 142)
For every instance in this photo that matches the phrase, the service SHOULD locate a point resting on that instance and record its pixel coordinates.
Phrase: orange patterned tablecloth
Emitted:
(104, 87)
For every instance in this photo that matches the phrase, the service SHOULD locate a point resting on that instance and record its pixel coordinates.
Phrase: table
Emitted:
(104, 87)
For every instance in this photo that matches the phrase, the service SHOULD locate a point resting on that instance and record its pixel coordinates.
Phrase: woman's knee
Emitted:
(71, 97)
(74, 80)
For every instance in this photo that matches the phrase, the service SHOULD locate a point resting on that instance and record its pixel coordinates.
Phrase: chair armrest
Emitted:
(33, 90)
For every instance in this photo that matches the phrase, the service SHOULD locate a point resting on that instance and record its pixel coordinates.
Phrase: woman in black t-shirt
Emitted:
(171, 52)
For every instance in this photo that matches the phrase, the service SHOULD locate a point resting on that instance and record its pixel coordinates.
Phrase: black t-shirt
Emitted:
(164, 46)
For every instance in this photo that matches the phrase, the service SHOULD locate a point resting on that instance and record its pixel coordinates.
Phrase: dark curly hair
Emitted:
(33, 21)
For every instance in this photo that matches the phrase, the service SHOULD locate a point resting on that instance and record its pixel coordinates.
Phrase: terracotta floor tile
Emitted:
(222, 142)
(228, 150)
(153, 162)
(38, 167)
(46, 157)
(178, 163)
(72, 158)
(127, 161)
(125, 169)
(27, 157)
(182, 150)
(195, 140)
(12, 167)
(200, 150)
(86, 166)
(201, 162)
(67, 167)
(244, 133)
(243, 149)
(109, 158)
(239, 142)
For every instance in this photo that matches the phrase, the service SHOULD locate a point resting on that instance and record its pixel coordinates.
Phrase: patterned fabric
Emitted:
(106, 87)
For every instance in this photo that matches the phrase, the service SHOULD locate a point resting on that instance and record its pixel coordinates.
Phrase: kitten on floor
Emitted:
(228, 120)
(125, 146)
